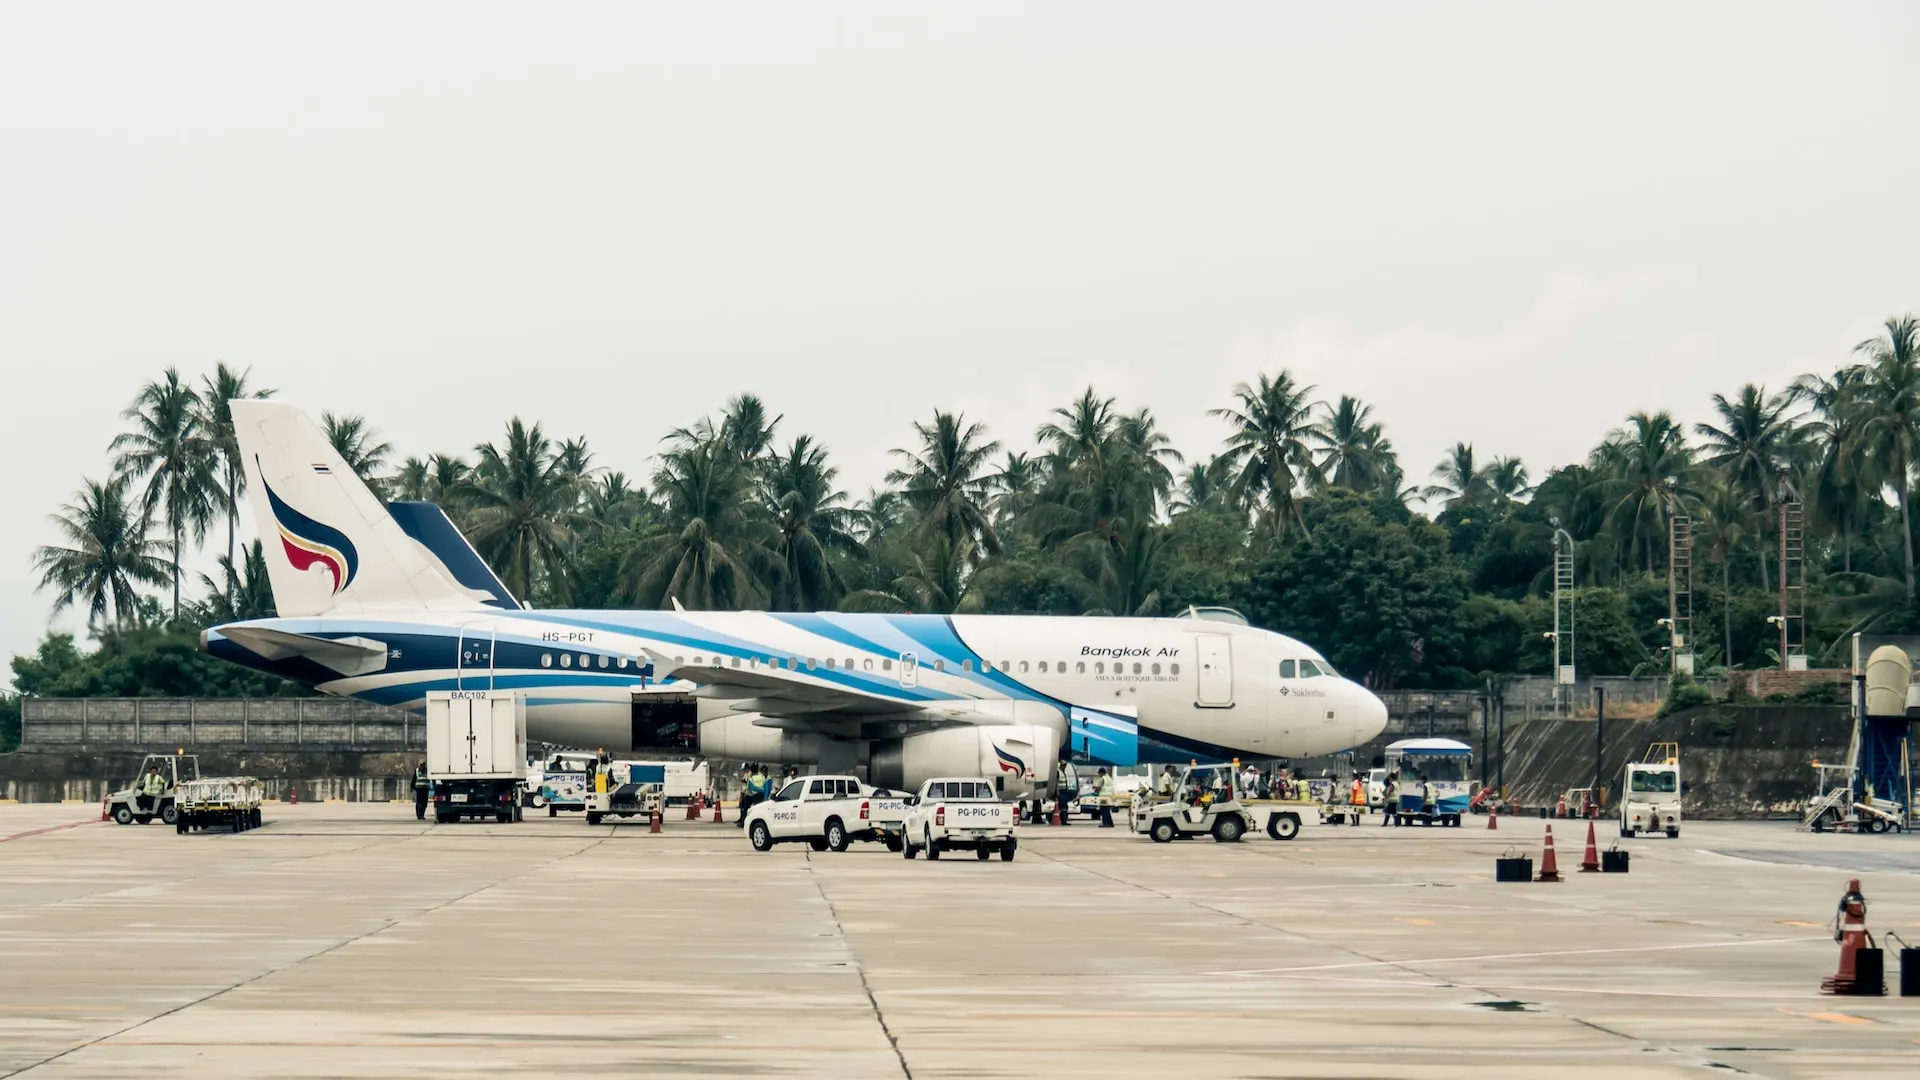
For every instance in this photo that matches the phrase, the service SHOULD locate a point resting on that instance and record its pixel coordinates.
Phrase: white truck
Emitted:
(476, 754)
(627, 789)
(829, 813)
(960, 812)
(1650, 792)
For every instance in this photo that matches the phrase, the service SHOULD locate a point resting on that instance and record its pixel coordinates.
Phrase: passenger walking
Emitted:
(1104, 786)
(420, 792)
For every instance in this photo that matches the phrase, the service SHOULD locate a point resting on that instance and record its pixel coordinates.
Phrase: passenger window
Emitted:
(885, 664)
(1080, 668)
(679, 659)
(809, 663)
(1286, 669)
(1043, 667)
(1023, 667)
(1173, 669)
(1308, 671)
(546, 659)
(966, 665)
(936, 791)
(602, 662)
(1156, 669)
(1136, 667)
(940, 665)
(829, 663)
(849, 664)
(817, 787)
(736, 662)
(1006, 665)
(620, 663)
(699, 661)
(866, 665)
(566, 659)
(1099, 667)
(790, 792)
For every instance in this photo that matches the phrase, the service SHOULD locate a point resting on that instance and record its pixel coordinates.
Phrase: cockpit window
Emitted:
(1308, 670)
(1286, 669)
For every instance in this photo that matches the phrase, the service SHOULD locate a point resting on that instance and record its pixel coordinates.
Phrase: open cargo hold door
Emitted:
(665, 719)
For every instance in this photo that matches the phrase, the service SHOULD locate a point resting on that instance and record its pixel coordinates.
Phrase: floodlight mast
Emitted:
(1563, 634)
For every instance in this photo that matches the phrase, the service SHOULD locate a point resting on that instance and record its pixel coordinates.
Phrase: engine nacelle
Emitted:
(737, 738)
(1017, 757)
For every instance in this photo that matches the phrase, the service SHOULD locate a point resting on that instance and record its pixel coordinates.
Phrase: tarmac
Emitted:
(349, 940)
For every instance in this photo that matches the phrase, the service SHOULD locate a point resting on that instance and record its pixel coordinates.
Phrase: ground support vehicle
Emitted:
(476, 754)
(561, 781)
(1376, 789)
(230, 801)
(1342, 813)
(1207, 802)
(828, 813)
(960, 813)
(1840, 806)
(1433, 787)
(627, 789)
(1650, 792)
(124, 806)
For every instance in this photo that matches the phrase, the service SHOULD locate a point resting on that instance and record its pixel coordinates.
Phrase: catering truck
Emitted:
(476, 754)
(828, 813)
(960, 812)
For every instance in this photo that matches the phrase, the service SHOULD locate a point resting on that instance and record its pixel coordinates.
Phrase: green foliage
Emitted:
(1684, 693)
(147, 662)
(9, 721)
(1378, 598)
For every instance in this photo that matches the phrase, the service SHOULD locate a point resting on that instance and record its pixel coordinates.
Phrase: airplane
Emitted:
(386, 604)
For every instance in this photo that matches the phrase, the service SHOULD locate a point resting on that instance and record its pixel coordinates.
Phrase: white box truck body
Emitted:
(476, 753)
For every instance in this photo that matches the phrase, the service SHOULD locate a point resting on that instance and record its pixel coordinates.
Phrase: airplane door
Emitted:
(476, 658)
(909, 669)
(1216, 671)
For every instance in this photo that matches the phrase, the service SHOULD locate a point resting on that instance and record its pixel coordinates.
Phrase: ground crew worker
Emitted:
(152, 786)
(756, 791)
(420, 792)
(1065, 788)
(1105, 787)
(1390, 798)
(1357, 794)
(1168, 781)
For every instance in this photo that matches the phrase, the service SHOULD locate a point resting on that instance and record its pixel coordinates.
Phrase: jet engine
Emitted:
(736, 737)
(1018, 757)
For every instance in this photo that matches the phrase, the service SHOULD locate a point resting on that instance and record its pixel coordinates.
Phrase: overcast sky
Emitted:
(1505, 223)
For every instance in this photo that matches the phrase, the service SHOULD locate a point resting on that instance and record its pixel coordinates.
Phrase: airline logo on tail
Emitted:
(309, 543)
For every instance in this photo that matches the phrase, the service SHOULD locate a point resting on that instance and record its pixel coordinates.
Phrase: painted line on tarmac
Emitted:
(48, 829)
(1511, 956)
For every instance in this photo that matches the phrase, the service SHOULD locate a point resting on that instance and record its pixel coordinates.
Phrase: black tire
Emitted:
(1283, 826)
(169, 813)
(1229, 829)
(817, 843)
(837, 838)
(593, 818)
(122, 815)
(1007, 849)
(894, 844)
(933, 849)
(144, 819)
(982, 853)
(1626, 832)
(253, 816)
(760, 837)
(180, 826)
(1673, 834)
(907, 852)
(1163, 831)
(552, 810)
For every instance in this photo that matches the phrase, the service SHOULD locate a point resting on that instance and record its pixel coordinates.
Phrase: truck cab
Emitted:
(125, 806)
(960, 812)
(827, 812)
(1650, 795)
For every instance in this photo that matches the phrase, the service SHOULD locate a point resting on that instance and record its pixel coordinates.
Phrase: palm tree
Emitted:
(1269, 451)
(1890, 391)
(575, 461)
(241, 594)
(810, 520)
(612, 502)
(1351, 447)
(171, 449)
(1149, 454)
(745, 432)
(216, 419)
(107, 554)
(1841, 483)
(1461, 481)
(1506, 480)
(521, 503)
(1723, 527)
(1014, 485)
(1080, 433)
(359, 445)
(1752, 445)
(709, 551)
(1645, 465)
(944, 480)
(1204, 487)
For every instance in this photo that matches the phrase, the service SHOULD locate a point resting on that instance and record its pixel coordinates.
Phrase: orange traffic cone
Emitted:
(293, 794)
(653, 821)
(1549, 869)
(693, 807)
(1493, 816)
(1590, 863)
(716, 809)
(1850, 930)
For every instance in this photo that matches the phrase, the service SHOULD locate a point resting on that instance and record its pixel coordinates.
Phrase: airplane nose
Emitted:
(1370, 717)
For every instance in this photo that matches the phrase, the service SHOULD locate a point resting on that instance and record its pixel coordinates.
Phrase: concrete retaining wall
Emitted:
(356, 776)
(202, 723)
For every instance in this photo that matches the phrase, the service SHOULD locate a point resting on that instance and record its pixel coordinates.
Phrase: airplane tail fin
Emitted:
(332, 548)
(429, 524)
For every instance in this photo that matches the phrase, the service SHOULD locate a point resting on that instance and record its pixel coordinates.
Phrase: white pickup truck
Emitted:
(960, 812)
(829, 813)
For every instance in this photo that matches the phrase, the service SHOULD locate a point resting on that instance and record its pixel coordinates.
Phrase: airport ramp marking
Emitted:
(49, 829)
(1484, 957)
